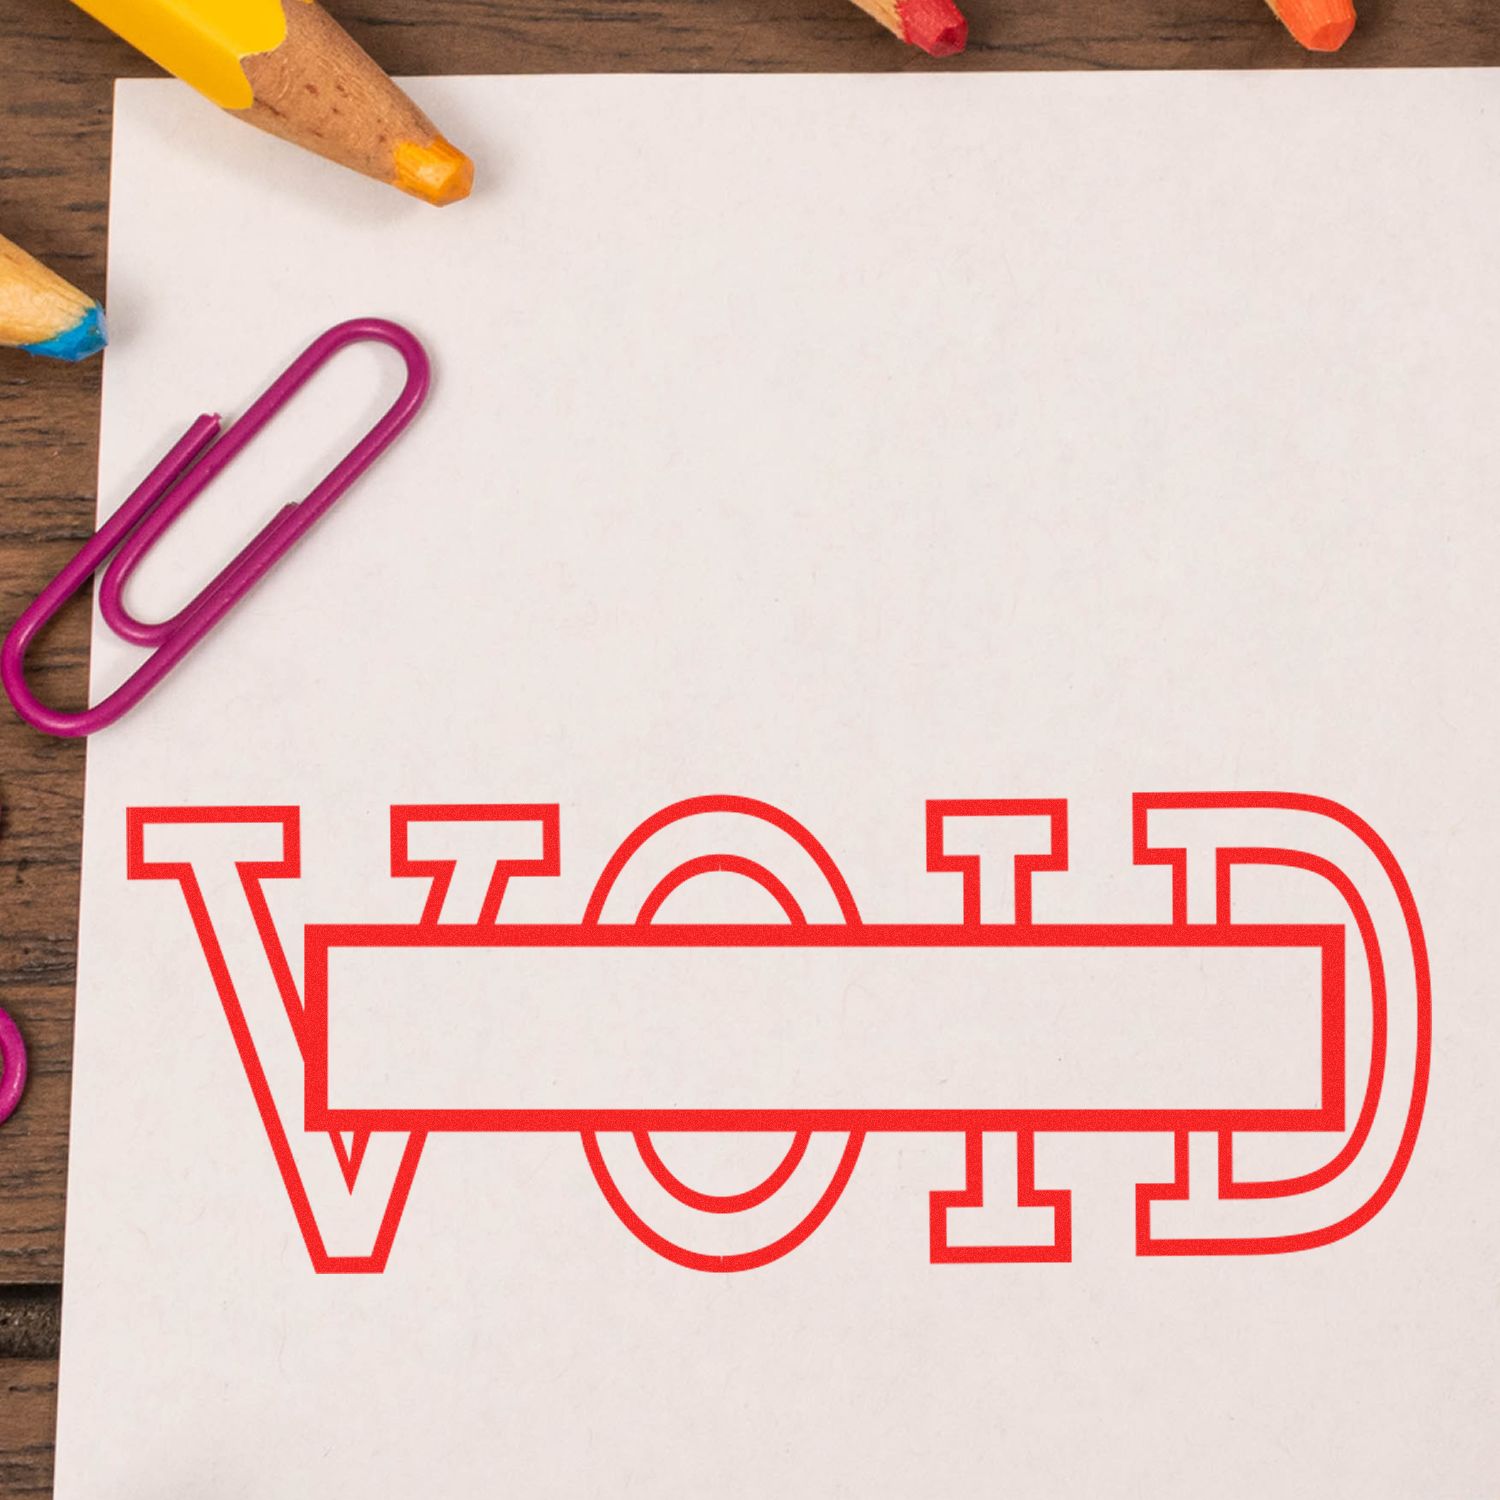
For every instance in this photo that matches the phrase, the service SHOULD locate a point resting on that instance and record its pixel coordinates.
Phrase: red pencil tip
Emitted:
(936, 26)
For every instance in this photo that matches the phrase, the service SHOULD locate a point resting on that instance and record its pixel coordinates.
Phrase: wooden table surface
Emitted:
(56, 68)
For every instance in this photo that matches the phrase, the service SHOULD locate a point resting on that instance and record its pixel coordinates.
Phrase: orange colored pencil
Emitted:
(1320, 25)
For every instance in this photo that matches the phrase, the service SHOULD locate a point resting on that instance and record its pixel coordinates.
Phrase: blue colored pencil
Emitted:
(41, 313)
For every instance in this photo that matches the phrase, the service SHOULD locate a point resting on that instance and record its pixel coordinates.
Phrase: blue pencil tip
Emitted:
(87, 336)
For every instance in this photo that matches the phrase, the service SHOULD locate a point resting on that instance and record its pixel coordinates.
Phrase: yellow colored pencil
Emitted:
(41, 313)
(288, 67)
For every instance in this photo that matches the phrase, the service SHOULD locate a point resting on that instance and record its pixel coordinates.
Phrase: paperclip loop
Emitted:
(12, 1066)
(167, 491)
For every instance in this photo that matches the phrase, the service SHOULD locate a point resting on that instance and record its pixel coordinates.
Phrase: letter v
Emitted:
(348, 1199)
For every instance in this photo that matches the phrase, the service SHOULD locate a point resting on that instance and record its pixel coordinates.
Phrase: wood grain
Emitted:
(56, 73)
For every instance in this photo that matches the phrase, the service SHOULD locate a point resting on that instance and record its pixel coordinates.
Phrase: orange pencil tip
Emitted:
(936, 26)
(1320, 25)
(436, 172)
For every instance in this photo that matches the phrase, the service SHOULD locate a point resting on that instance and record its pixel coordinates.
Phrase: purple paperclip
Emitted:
(167, 491)
(12, 1066)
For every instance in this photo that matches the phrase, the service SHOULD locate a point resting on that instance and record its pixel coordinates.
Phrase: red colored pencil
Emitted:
(936, 26)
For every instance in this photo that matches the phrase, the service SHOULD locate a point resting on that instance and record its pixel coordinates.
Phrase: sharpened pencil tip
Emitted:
(1331, 37)
(87, 336)
(436, 172)
(936, 26)
(1320, 25)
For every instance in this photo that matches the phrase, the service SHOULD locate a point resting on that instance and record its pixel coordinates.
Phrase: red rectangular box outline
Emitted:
(1328, 1115)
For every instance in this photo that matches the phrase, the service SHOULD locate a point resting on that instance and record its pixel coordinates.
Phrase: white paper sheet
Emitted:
(850, 445)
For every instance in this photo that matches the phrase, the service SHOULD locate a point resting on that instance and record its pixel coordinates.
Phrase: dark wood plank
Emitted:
(28, 1418)
(56, 74)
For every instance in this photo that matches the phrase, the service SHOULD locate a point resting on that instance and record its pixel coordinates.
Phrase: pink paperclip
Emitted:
(12, 1066)
(167, 491)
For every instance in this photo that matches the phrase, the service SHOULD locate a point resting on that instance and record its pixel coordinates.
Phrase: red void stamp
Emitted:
(1283, 1044)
